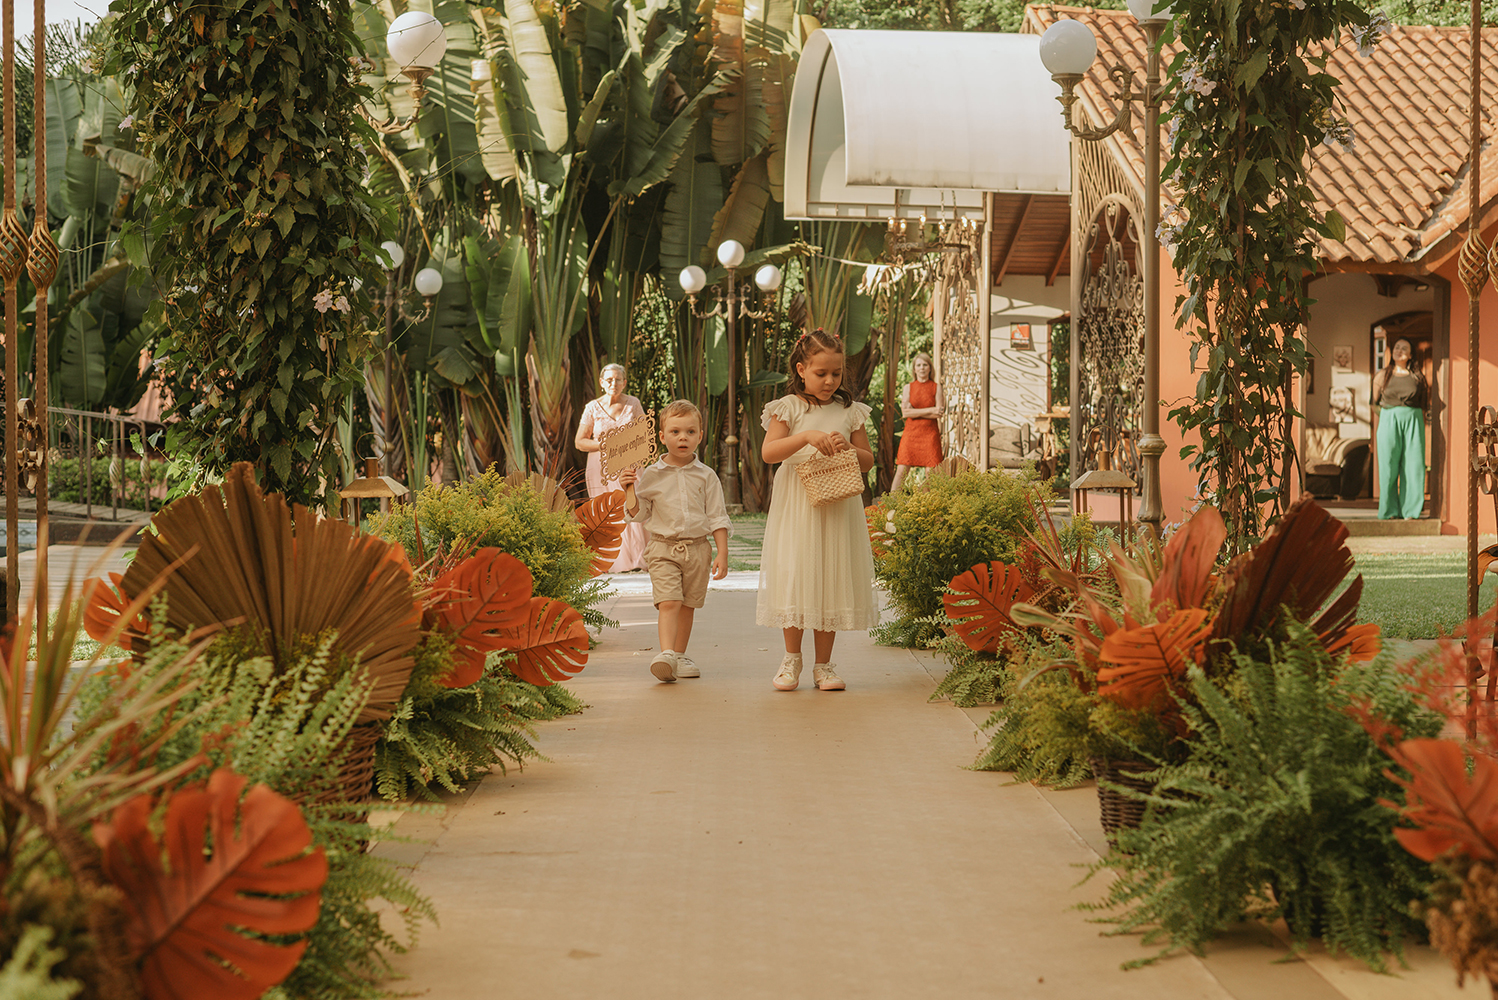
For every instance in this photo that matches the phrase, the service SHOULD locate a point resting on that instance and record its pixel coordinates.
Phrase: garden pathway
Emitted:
(716, 838)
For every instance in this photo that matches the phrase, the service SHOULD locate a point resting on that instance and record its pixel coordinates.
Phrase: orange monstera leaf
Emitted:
(223, 868)
(878, 522)
(602, 523)
(106, 611)
(980, 605)
(1139, 665)
(551, 646)
(1186, 571)
(1449, 809)
(482, 599)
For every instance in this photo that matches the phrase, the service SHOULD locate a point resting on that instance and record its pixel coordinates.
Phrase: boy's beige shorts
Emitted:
(679, 569)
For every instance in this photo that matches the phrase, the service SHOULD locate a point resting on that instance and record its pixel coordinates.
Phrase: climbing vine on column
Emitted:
(1252, 97)
(259, 225)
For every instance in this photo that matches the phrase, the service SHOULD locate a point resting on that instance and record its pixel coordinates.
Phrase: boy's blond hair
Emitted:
(679, 408)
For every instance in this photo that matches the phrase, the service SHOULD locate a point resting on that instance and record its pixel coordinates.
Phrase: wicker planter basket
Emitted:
(831, 478)
(355, 761)
(1118, 811)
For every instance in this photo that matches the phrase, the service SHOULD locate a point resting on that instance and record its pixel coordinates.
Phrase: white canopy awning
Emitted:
(899, 123)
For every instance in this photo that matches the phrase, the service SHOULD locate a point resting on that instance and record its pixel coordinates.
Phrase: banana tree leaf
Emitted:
(779, 77)
(715, 344)
(81, 371)
(451, 118)
(764, 378)
(122, 161)
(64, 108)
(486, 284)
(539, 84)
(90, 186)
(695, 197)
(494, 148)
(741, 127)
(516, 314)
(126, 382)
(744, 210)
(665, 152)
(594, 108)
(858, 316)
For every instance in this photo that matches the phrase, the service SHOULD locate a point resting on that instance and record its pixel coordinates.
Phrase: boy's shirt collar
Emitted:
(661, 463)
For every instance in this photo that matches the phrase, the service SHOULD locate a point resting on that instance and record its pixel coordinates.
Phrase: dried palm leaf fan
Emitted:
(284, 575)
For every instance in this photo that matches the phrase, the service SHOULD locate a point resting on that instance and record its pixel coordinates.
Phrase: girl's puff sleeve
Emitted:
(785, 409)
(858, 416)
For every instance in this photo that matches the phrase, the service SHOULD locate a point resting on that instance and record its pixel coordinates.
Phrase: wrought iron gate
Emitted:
(1109, 328)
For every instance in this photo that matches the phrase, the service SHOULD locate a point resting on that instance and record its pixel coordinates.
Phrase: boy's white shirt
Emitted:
(680, 501)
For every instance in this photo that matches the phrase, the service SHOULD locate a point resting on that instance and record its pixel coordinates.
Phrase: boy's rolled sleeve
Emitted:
(717, 509)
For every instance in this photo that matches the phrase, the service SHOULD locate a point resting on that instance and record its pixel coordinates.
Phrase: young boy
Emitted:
(680, 502)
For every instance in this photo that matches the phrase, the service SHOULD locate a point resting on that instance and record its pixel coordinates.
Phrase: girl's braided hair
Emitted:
(811, 344)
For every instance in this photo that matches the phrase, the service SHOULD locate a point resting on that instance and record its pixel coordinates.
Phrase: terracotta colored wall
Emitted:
(1455, 474)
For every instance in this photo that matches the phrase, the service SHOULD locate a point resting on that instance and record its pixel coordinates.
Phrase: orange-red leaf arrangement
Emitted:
(602, 522)
(551, 646)
(980, 602)
(228, 864)
(482, 600)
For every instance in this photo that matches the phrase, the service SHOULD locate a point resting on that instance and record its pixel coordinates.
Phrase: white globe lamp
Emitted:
(396, 254)
(693, 279)
(428, 281)
(1145, 13)
(730, 253)
(768, 278)
(416, 38)
(1068, 47)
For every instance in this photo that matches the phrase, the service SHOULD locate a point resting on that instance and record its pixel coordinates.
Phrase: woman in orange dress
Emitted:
(920, 404)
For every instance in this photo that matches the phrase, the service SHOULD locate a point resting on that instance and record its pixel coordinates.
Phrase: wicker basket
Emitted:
(355, 762)
(831, 478)
(1118, 811)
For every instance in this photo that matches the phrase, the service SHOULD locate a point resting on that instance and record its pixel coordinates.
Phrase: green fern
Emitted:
(27, 974)
(446, 737)
(1275, 813)
(1037, 730)
(971, 679)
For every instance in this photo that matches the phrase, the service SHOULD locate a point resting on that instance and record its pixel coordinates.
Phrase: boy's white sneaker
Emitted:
(685, 667)
(827, 678)
(789, 674)
(664, 666)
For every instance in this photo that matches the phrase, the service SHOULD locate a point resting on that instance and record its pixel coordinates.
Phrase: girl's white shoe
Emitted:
(827, 678)
(789, 674)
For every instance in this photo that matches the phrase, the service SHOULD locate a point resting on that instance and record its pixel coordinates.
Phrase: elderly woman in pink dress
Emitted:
(612, 409)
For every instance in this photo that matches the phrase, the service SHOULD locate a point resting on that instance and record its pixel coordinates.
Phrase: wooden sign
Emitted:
(627, 447)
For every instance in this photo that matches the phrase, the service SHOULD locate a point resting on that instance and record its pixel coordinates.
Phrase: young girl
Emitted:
(920, 405)
(816, 568)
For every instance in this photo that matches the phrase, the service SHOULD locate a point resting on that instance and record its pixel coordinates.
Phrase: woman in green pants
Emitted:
(1400, 393)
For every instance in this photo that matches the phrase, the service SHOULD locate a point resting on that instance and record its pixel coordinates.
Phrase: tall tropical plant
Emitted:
(257, 210)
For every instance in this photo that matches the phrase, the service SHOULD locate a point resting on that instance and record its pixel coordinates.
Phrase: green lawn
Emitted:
(1418, 596)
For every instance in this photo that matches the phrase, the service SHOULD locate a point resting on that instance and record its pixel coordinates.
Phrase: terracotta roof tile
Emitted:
(1402, 187)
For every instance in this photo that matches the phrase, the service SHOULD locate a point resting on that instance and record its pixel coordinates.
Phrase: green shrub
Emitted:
(488, 511)
(27, 973)
(141, 479)
(1275, 812)
(942, 528)
(444, 736)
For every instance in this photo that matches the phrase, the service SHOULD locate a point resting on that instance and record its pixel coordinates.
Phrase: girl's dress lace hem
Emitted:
(841, 621)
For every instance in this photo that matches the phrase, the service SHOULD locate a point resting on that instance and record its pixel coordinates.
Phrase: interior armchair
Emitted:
(1334, 466)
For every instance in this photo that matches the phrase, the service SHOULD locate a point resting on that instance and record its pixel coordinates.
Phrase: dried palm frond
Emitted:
(285, 575)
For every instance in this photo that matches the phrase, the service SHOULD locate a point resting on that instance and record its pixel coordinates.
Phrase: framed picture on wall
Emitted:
(1341, 406)
(1342, 357)
(1019, 337)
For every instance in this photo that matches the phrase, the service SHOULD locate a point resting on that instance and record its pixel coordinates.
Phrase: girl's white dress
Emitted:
(816, 567)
